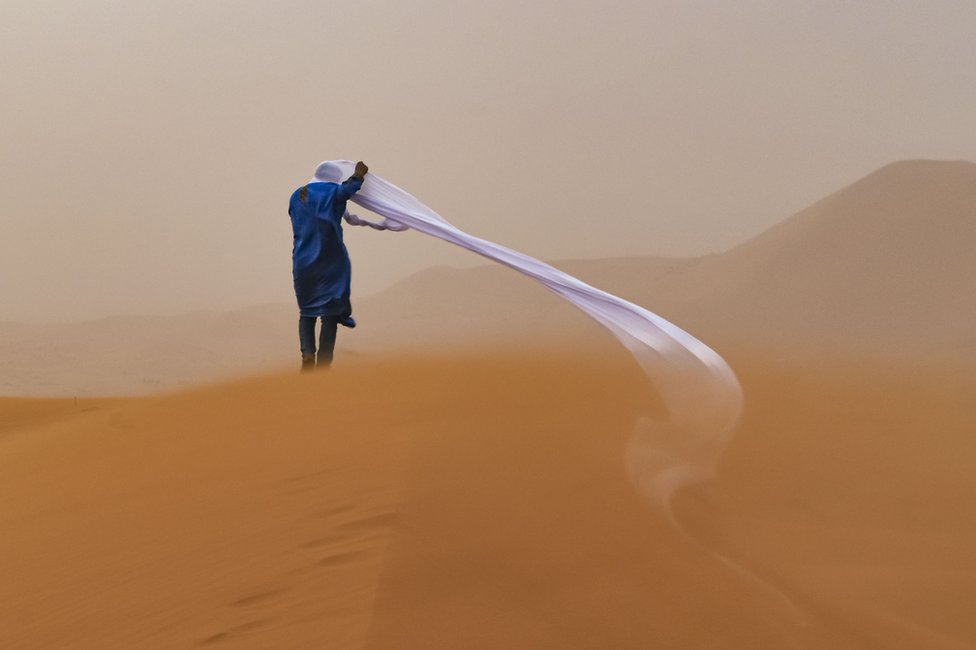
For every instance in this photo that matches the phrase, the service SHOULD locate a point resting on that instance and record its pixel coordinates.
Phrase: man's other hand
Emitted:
(361, 169)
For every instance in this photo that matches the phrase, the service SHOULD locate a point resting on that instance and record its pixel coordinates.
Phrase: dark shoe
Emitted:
(308, 363)
(347, 321)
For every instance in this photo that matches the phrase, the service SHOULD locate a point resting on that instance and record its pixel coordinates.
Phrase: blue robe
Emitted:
(320, 262)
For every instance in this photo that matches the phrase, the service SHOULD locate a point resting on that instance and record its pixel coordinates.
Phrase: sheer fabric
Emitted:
(699, 388)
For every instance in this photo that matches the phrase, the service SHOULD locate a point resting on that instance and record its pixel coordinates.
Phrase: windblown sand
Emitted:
(480, 501)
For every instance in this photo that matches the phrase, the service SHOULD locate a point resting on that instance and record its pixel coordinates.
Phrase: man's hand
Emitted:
(361, 169)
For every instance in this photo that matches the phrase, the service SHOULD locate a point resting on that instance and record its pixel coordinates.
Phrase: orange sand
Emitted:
(480, 502)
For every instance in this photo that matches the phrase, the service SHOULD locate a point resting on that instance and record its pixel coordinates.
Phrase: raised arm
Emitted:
(354, 182)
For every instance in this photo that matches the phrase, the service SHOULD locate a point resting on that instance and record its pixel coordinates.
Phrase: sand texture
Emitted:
(481, 502)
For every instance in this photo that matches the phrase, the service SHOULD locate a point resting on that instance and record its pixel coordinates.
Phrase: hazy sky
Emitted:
(150, 146)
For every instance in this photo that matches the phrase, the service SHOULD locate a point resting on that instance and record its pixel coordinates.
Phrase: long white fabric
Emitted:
(700, 390)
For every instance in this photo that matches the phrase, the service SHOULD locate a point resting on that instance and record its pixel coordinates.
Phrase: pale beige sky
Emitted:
(150, 146)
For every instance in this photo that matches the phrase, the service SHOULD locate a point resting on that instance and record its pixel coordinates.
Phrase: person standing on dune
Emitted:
(320, 262)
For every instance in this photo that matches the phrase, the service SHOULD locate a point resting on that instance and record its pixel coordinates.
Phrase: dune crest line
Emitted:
(699, 389)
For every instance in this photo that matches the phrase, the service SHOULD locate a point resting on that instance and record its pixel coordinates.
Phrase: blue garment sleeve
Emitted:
(349, 187)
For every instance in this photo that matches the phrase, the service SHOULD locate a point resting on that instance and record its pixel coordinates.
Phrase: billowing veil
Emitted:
(698, 387)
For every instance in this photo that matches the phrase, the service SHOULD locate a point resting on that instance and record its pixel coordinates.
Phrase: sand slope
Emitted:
(222, 517)
(480, 502)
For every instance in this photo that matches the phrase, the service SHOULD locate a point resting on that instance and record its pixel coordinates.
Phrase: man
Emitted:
(320, 263)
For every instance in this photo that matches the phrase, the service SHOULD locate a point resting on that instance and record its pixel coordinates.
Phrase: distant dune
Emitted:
(883, 264)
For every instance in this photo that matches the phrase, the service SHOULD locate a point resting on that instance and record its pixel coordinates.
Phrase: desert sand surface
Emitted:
(480, 501)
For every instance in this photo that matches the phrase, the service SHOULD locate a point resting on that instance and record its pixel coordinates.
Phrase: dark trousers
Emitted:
(327, 338)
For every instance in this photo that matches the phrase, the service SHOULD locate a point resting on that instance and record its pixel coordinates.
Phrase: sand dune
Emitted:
(481, 501)
(883, 265)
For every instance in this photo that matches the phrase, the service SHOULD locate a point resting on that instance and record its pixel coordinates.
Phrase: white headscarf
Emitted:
(328, 172)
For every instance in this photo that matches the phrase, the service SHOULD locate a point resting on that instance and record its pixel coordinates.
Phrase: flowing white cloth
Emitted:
(700, 390)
